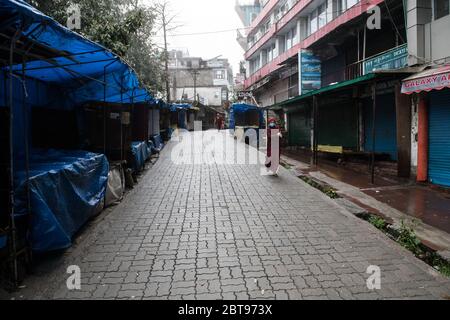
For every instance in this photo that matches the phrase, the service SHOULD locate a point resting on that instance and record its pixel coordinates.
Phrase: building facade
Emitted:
(332, 70)
(195, 79)
(428, 23)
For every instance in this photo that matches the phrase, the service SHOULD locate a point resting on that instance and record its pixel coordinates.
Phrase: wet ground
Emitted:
(429, 204)
(226, 231)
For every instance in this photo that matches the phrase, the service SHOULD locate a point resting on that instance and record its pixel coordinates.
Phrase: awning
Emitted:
(336, 86)
(432, 79)
(85, 69)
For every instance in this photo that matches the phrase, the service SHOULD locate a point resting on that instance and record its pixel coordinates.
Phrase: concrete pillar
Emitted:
(422, 156)
(419, 13)
(403, 110)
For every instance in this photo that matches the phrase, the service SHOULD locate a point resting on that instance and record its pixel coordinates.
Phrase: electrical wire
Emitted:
(326, 13)
(393, 22)
(207, 32)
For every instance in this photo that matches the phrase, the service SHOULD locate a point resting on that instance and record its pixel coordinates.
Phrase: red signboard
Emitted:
(433, 79)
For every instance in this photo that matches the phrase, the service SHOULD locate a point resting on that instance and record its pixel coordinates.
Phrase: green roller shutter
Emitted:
(300, 129)
(338, 125)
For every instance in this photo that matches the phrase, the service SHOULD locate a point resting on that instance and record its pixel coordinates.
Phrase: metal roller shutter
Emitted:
(386, 125)
(300, 129)
(338, 125)
(439, 138)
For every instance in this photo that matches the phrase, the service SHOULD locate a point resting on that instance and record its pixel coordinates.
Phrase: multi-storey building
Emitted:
(207, 81)
(247, 10)
(333, 69)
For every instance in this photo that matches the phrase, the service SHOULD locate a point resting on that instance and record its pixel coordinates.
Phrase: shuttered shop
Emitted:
(439, 137)
(300, 129)
(338, 125)
(385, 125)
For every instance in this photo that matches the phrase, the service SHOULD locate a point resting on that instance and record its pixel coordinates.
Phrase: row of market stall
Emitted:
(74, 123)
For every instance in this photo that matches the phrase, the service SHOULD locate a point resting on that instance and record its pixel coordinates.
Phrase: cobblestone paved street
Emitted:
(227, 232)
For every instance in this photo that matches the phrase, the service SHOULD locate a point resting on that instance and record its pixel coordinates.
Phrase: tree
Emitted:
(166, 21)
(125, 27)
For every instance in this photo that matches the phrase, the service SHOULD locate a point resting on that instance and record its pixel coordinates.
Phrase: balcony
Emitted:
(277, 26)
(347, 16)
(392, 59)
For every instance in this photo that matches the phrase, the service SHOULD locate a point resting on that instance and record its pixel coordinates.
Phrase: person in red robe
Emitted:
(273, 132)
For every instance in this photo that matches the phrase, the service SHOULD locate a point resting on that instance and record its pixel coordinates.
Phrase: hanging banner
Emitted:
(393, 59)
(310, 72)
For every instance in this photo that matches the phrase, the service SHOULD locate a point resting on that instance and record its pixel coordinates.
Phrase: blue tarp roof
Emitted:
(243, 107)
(82, 64)
(178, 106)
(240, 108)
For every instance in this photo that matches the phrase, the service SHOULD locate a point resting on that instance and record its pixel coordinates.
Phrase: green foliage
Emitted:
(125, 27)
(329, 191)
(408, 239)
(378, 222)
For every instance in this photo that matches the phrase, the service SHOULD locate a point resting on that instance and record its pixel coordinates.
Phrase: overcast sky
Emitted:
(200, 16)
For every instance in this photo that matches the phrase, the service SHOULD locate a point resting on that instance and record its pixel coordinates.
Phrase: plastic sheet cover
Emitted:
(116, 185)
(81, 59)
(141, 152)
(3, 241)
(158, 142)
(67, 188)
(242, 108)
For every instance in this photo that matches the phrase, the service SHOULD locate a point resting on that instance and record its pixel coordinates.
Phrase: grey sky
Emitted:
(199, 16)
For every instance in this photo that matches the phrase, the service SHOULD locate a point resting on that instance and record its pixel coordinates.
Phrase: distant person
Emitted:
(219, 122)
(271, 129)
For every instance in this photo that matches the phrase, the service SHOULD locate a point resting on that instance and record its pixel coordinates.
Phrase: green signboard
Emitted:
(393, 59)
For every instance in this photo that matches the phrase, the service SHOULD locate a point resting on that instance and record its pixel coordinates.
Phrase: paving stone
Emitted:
(208, 232)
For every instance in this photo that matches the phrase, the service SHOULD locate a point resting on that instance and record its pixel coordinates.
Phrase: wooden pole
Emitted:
(374, 114)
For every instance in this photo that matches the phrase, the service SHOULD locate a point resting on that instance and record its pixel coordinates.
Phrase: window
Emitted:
(291, 38)
(441, 8)
(271, 53)
(288, 38)
(322, 15)
(313, 22)
(219, 74)
(254, 65)
(294, 36)
(351, 3)
(338, 8)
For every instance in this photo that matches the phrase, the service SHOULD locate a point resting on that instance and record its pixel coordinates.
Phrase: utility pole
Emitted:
(195, 73)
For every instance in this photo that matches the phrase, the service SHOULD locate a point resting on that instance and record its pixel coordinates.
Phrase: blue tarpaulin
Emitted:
(81, 59)
(3, 241)
(242, 108)
(67, 188)
(157, 142)
(141, 152)
(180, 106)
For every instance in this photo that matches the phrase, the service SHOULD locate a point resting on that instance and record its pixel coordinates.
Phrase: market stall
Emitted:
(245, 117)
(53, 186)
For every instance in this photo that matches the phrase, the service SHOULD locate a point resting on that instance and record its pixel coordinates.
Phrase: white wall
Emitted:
(212, 94)
(436, 39)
